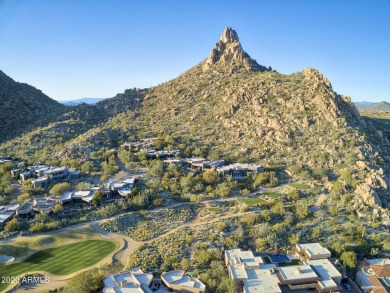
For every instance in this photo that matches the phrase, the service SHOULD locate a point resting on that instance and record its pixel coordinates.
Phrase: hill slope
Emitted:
(23, 107)
(230, 107)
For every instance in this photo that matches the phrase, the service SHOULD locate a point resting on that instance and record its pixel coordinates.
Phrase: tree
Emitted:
(301, 211)
(84, 186)
(250, 219)
(121, 175)
(261, 244)
(278, 208)
(245, 191)
(57, 208)
(60, 188)
(333, 210)
(293, 194)
(209, 177)
(294, 239)
(12, 225)
(185, 264)
(223, 190)
(87, 167)
(97, 198)
(349, 259)
(23, 197)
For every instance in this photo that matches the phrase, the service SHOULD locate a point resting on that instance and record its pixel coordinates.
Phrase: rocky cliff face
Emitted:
(228, 51)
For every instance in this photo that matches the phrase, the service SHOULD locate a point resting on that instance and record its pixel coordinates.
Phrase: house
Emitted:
(79, 196)
(253, 275)
(162, 155)
(37, 205)
(312, 251)
(202, 164)
(57, 174)
(7, 213)
(178, 281)
(134, 280)
(141, 144)
(374, 274)
(239, 170)
(25, 175)
(41, 182)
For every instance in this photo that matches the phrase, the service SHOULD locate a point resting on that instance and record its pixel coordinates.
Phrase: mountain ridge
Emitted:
(225, 107)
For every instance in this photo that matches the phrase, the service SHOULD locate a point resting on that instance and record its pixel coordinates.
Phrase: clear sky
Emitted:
(96, 48)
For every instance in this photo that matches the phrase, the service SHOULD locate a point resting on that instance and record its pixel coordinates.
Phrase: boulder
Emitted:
(368, 194)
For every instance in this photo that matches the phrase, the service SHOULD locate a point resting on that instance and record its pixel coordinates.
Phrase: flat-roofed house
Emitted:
(57, 174)
(330, 276)
(262, 280)
(7, 212)
(239, 261)
(41, 182)
(134, 280)
(239, 170)
(256, 276)
(36, 205)
(178, 281)
(312, 251)
(79, 196)
(25, 175)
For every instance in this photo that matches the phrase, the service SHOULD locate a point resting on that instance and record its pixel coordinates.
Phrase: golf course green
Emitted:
(62, 260)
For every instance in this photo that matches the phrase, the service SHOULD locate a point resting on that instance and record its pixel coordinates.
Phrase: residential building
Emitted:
(141, 144)
(37, 205)
(239, 170)
(7, 212)
(253, 275)
(178, 281)
(374, 275)
(312, 251)
(41, 182)
(79, 196)
(134, 280)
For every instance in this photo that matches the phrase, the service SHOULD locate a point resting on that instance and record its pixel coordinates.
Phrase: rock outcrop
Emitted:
(228, 51)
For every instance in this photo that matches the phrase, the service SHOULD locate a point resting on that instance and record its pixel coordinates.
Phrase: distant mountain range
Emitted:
(89, 101)
(372, 106)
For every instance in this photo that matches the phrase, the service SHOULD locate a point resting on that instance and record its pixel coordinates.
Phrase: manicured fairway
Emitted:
(272, 194)
(251, 201)
(215, 210)
(300, 186)
(61, 260)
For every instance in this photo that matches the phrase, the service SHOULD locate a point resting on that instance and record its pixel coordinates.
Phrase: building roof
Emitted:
(238, 272)
(134, 280)
(4, 216)
(236, 256)
(239, 166)
(67, 196)
(291, 274)
(56, 169)
(380, 266)
(327, 272)
(179, 278)
(313, 249)
(261, 280)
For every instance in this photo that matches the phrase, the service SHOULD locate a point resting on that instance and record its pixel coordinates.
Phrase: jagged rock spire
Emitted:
(228, 51)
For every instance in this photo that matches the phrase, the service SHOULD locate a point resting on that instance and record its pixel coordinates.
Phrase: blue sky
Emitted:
(93, 48)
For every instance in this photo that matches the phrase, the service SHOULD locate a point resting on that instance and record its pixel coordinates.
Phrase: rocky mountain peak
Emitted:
(228, 51)
(229, 35)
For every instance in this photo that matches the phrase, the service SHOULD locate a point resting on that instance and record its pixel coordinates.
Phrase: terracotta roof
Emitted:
(381, 271)
(378, 287)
